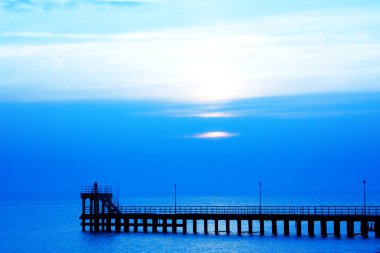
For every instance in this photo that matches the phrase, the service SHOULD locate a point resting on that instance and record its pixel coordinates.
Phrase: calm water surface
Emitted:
(52, 225)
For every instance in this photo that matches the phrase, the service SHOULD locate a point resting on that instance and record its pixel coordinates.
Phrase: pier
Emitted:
(101, 214)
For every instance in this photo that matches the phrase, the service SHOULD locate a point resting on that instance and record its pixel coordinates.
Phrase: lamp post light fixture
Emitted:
(364, 200)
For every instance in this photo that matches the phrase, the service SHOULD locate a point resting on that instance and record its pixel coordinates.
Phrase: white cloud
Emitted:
(195, 64)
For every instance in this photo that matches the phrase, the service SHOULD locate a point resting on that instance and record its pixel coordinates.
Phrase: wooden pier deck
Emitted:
(99, 213)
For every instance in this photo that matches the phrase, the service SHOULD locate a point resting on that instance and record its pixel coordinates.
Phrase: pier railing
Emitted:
(100, 189)
(295, 210)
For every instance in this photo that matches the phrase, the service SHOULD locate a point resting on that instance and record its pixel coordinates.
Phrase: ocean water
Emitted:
(46, 224)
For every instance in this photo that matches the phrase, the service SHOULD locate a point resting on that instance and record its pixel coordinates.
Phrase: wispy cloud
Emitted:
(22, 5)
(216, 115)
(214, 135)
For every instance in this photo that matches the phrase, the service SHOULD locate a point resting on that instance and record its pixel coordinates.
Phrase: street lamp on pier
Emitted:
(364, 200)
(175, 198)
(260, 198)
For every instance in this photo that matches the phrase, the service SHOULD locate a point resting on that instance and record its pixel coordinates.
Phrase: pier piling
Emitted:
(228, 227)
(364, 228)
(298, 227)
(286, 227)
(337, 228)
(262, 227)
(350, 229)
(310, 227)
(274, 227)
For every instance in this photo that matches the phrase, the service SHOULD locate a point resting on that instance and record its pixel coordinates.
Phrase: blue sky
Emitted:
(235, 91)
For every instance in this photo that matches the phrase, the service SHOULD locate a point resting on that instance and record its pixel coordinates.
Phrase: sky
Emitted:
(213, 95)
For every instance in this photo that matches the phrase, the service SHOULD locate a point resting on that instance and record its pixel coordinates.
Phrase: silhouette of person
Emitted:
(95, 187)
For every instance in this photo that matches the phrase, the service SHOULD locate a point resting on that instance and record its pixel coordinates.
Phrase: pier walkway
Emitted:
(100, 213)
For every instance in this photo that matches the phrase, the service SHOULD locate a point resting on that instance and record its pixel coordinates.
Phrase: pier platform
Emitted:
(101, 214)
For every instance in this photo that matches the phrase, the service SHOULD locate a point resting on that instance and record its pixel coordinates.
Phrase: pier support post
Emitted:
(83, 205)
(154, 225)
(239, 227)
(299, 227)
(135, 225)
(103, 220)
(96, 224)
(145, 225)
(83, 225)
(96, 212)
(262, 227)
(310, 227)
(117, 224)
(205, 226)
(250, 227)
(108, 224)
(337, 228)
(194, 226)
(324, 228)
(377, 228)
(91, 206)
(174, 225)
(350, 229)
(286, 227)
(184, 226)
(92, 213)
(274, 227)
(364, 228)
(216, 222)
(228, 227)
(164, 225)
(83, 213)
(126, 224)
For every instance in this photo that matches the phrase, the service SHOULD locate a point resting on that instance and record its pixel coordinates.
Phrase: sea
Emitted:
(51, 224)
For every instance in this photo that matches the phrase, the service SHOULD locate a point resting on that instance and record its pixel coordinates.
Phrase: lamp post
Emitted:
(117, 197)
(260, 198)
(175, 198)
(364, 182)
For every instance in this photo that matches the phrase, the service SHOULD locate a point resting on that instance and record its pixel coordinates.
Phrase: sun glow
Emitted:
(214, 135)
